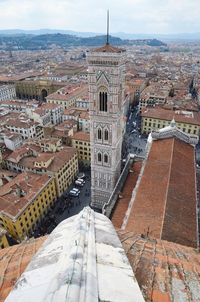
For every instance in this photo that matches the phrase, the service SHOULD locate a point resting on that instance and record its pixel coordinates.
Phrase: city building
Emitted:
(36, 88)
(62, 131)
(3, 239)
(50, 144)
(135, 86)
(55, 111)
(158, 117)
(20, 123)
(7, 92)
(84, 122)
(82, 102)
(18, 105)
(62, 164)
(12, 140)
(106, 77)
(24, 201)
(68, 95)
(42, 115)
(81, 141)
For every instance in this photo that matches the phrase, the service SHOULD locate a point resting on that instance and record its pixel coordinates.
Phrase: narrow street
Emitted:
(133, 141)
(65, 207)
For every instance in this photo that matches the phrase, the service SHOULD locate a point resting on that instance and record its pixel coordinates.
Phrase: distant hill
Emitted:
(45, 41)
(122, 35)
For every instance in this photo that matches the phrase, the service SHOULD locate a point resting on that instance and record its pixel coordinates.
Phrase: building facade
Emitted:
(7, 92)
(25, 200)
(106, 77)
(157, 118)
(81, 141)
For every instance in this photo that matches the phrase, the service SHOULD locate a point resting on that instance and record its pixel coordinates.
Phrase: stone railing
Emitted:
(110, 204)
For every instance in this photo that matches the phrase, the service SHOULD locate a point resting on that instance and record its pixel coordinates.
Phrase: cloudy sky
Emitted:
(130, 16)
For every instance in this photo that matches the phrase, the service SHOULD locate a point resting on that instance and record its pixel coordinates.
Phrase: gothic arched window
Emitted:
(106, 158)
(103, 101)
(99, 134)
(99, 157)
(106, 135)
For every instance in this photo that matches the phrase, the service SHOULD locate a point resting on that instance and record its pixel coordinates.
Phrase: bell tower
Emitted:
(106, 77)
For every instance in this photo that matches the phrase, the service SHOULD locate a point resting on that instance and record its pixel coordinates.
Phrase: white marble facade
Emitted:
(106, 77)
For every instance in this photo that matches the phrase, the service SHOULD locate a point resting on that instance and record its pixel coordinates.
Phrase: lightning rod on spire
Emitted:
(107, 40)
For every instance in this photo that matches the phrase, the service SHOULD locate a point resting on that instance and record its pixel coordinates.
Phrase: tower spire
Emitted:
(107, 39)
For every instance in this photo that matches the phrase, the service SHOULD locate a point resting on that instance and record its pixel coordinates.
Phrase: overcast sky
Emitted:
(131, 16)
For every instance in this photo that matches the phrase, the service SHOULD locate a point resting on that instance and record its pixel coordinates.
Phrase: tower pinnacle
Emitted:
(107, 39)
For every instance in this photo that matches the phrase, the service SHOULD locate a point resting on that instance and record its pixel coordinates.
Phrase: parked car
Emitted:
(79, 183)
(74, 192)
(81, 175)
(81, 180)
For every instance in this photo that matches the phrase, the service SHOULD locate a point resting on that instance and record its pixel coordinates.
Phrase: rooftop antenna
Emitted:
(107, 39)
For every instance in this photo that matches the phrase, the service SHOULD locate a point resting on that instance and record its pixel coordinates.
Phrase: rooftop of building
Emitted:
(125, 195)
(14, 261)
(51, 106)
(67, 92)
(165, 271)
(81, 136)
(75, 263)
(20, 191)
(59, 159)
(181, 116)
(163, 203)
(107, 48)
(76, 111)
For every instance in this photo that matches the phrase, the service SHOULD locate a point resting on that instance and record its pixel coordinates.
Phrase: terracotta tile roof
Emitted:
(19, 192)
(81, 136)
(165, 271)
(108, 48)
(67, 92)
(187, 117)
(164, 204)
(50, 106)
(125, 196)
(84, 115)
(20, 152)
(60, 159)
(13, 261)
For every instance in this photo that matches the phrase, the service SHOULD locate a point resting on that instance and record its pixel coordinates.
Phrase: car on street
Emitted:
(81, 175)
(74, 192)
(79, 183)
(81, 180)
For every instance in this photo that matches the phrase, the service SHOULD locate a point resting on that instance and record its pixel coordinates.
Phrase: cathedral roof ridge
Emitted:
(77, 262)
(173, 131)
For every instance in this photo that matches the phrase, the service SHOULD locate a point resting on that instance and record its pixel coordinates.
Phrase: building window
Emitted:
(99, 157)
(99, 133)
(103, 101)
(105, 158)
(106, 135)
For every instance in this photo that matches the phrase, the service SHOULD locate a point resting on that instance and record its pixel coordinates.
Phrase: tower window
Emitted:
(106, 135)
(99, 157)
(99, 134)
(103, 101)
(105, 158)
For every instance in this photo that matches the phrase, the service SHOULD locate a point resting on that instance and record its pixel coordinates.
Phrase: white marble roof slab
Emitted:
(81, 261)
